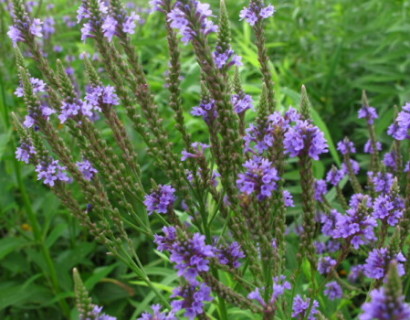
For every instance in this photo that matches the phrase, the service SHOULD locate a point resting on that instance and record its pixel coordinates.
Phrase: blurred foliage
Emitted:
(335, 47)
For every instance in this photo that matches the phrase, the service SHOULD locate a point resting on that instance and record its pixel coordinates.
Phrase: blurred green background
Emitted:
(335, 47)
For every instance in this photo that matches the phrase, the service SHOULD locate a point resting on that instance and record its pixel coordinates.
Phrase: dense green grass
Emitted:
(335, 47)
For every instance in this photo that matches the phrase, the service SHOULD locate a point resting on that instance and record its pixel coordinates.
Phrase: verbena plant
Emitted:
(223, 211)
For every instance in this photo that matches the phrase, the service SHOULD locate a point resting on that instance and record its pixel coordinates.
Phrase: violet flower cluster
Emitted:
(228, 205)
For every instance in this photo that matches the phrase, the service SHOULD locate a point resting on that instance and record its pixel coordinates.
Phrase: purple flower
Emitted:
(368, 113)
(157, 314)
(381, 307)
(382, 181)
(305, 137)
(25, 152)
(368, 147)
(15, 35)
(260, 178)
(69, 110)
(192, 257)
(157, 5)
(254, 13)
(230, 255)
(58, 48)
(329, 222)
(161, 200)
(356, 225)
(29, 121)
(356, 272)
(333, 290)
(101, 95)
(355, 167)
(87, 169)
(242, 102)
(226, 59)
(198, 149)
(193, 297)
(51, 171)
(330, 247)
(36, 28)
(37, 85)
(129, 24)
(400, 128)
(389, 208)
(264, 139)
(109, 27)
(279, 286)
(334, 176)
(320, 190)
(407, 167)
(86, 31)
(378, 262)
(168, 240)
(288, 199)
(206, 110)
(390, 160)
(326, 264)
(201, 11)
(48, 27)
(301, 306)
(346, 146)
(99, 315)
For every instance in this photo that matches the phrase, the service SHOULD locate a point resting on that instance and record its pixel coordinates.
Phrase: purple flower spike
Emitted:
(254, 13)
(368, 113)
(157, 314)
(334, 176)
(356, 225)
(198, 148)
(355, 166)
(381, 307)
(230, 255)
(368, 147)
(109, 27)
(320, 190)
(201, 11)
(260, 178)
(333, 290)
(305, 137)
(87, 169)
(242, 102)
(51, 172)
(15, 35)
(38, 85)
(326, 264)
(130, 23)
(346, 146)
(279, 286)
(378, 262)
(288, 199)
(226, 59)
(301, 306)
(390, 160)
(400, 128)
(99, 315)
(193, 297)
(24, 152)
(36, 28)
(382, 181)
(389, 208)
(206, 110)
(192, 257)
(161, 200)
(166, 242)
